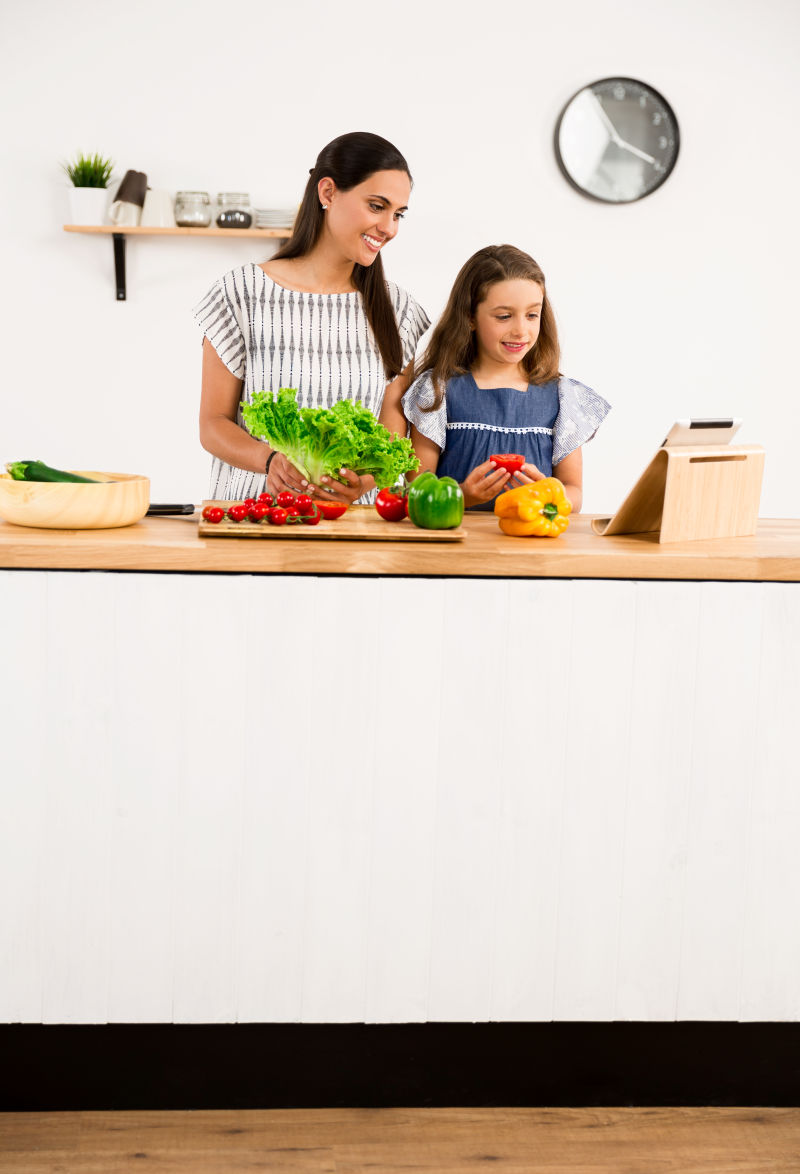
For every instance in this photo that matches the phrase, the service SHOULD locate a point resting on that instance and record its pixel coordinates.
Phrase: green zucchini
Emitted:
(38, 471)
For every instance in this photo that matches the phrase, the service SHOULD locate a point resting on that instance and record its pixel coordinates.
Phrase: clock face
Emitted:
(617, 140)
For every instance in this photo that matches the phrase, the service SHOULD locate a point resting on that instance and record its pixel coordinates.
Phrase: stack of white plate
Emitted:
(273, 218)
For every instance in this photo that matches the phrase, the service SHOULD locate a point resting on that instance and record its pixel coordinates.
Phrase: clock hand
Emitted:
(635, 151)
(615, 138)
(607, 123)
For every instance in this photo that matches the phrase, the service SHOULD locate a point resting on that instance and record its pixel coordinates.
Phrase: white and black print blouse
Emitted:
(320, 344)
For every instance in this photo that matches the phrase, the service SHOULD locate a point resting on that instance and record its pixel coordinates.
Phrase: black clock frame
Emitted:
(624, 81)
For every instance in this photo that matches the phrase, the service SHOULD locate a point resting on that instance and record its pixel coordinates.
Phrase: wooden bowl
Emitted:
(119, 499)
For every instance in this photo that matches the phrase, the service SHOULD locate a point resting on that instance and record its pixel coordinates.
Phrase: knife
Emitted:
(158, 510)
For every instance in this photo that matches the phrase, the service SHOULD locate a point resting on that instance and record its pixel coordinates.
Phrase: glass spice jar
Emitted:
(233, 210)
(192, 209)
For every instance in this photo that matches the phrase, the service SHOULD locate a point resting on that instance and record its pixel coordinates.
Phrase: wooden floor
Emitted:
(385, 1141)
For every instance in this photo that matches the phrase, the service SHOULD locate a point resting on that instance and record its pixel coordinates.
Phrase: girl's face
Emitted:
(506, 322)
(364, 219)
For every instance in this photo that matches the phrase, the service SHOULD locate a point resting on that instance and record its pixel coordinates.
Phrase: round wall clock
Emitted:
(617, 140)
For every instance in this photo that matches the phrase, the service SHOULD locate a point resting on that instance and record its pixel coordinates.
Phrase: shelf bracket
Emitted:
(119, 264)
(119, 238)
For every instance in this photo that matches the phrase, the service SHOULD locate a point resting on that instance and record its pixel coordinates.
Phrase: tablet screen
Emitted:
(719, 431)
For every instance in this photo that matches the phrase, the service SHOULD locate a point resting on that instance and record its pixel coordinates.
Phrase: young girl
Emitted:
(490, 384)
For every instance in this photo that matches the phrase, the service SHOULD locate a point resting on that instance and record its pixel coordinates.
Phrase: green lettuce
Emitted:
(321, 441)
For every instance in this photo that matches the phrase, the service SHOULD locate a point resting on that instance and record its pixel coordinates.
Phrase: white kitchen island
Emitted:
(323, 782)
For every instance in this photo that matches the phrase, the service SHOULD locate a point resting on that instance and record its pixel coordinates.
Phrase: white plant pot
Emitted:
(88, 205)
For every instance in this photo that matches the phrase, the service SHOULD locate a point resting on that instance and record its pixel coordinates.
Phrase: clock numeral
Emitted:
(619, 92)
(657, 119)
(643, 101)
(664, 142)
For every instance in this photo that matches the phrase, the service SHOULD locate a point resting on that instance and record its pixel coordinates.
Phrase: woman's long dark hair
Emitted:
(452, 349)
(348, 161)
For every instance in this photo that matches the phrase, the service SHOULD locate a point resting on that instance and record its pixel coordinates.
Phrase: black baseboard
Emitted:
(269, 1065)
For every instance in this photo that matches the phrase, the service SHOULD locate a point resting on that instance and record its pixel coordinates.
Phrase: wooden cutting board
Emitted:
(360, 522)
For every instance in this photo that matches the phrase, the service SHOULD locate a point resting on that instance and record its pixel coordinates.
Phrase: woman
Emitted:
(319, 317)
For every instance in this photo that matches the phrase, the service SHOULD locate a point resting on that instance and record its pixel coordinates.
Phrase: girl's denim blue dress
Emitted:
(544, 423)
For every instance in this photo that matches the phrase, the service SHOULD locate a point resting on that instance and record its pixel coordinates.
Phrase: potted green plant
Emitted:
(89, 176)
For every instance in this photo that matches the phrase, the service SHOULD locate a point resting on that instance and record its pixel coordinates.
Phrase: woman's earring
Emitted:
(324, 207)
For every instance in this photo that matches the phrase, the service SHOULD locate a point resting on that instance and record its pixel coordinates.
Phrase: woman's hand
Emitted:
(346, 491)
(483, 483)
(283, 475)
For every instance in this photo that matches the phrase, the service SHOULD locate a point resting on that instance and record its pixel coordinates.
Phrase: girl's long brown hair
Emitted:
(348, 161)
(452, 349)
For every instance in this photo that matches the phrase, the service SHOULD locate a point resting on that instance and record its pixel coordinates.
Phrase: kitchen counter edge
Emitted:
(172, 544)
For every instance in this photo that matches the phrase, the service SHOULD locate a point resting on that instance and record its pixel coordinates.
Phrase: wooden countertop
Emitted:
(173, 544)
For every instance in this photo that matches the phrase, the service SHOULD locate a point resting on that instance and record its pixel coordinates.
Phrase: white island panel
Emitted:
(280, 798)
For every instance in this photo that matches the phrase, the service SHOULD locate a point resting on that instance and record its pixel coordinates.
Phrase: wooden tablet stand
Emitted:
(693, 491)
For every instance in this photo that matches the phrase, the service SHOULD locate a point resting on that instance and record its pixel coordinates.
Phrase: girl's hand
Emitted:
(525, 476)
(483, 483)
(346, 491)
(283, 475)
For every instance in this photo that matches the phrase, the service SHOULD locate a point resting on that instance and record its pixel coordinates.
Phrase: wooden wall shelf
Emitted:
(119, 232)
(141, 230)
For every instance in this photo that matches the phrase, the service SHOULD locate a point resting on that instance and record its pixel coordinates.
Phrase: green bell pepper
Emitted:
(435, 503)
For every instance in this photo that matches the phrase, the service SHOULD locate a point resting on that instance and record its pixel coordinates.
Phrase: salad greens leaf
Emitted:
(321, 441)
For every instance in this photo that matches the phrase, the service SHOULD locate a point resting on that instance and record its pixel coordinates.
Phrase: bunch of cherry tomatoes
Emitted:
(285, 509)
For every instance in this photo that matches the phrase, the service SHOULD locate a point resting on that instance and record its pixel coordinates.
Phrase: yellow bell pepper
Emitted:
(541, 509)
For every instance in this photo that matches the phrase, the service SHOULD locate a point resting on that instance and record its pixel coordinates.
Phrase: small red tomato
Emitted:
(257, 511)
(315, 518)
(208, 509)
(285, 499)
(276, 516)
(305, 503)
(392, 507)
(331, 509)
(512, 462)
(248, 501)
(237, 513)
(213, 513)
(265, 499)
(294, 514)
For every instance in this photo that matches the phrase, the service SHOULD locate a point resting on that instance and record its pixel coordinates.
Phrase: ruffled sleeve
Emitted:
(412, 321)
(431, 424)
(219, 316)
(581, 412)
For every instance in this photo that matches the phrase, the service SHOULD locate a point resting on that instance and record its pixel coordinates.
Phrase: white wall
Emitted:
(682, 303)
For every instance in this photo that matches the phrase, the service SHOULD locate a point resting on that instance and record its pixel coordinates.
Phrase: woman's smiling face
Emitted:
(364, 219)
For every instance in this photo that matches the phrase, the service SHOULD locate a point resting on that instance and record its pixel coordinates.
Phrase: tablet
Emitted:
(702, 432)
